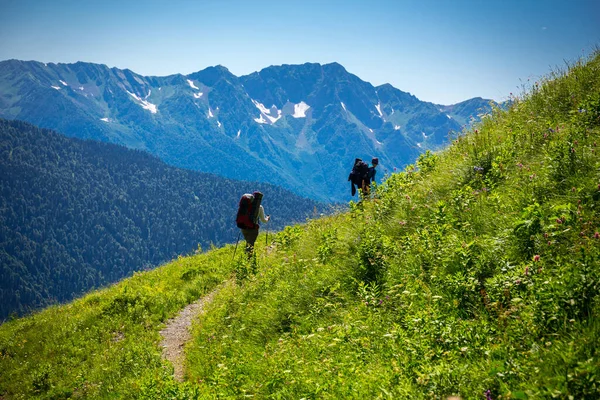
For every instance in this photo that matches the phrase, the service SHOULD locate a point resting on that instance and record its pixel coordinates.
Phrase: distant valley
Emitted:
(77, 215)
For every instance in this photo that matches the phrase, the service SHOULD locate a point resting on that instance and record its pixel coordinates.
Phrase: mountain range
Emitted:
(297, 126)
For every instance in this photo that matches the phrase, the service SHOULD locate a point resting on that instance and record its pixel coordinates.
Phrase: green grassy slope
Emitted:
(476, 272)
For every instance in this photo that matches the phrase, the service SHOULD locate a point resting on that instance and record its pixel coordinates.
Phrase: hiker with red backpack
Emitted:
(250, 211)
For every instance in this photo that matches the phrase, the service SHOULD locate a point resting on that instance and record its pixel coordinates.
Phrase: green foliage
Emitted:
(451, 280)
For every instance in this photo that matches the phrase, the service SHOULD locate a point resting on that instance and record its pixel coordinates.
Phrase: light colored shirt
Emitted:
(261, 214)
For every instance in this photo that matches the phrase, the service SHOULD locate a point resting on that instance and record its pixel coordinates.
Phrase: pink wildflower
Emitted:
(536, 257)
(597, 235)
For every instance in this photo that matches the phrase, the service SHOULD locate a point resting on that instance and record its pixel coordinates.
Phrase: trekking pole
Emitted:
(236, 244)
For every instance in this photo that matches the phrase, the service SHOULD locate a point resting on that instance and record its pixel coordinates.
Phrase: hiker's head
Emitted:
(375, 161)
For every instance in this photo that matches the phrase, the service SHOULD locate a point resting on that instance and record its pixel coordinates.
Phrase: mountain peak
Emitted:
(211, 75)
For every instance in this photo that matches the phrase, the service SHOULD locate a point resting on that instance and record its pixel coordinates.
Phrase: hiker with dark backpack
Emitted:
(372, 170)
(359, 177)
(250, 211)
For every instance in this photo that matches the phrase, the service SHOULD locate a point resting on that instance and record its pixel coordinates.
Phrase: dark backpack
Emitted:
(247, 215)
(360, 173)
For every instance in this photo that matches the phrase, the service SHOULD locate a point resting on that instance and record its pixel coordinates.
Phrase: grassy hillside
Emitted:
(475, 272)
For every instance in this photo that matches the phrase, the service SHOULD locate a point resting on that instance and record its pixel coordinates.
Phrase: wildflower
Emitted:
(573, 189)
(582, 110)
(546, 234)
(477, 169)
(402, 223)
(549, 243)
(407, 197)
(526, 271)
(558, 221)
(518, 282)
(520, 165)
(488, 394)
(536, 257)
(596, 235)
(551, 130)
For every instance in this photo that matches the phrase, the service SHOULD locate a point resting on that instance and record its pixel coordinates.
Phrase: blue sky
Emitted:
(440, 51)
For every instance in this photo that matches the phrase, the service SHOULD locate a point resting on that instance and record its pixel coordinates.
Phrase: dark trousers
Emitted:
(250, 235)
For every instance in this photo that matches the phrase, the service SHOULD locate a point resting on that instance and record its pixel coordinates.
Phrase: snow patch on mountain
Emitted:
(55, 87)
(143, 103)
(300, 110)
(210, 114)
(343, 106)
(239, 133)
(261, 120)
(265, 112)
(449, 117)
(260, 107)
(192, 84)
(64, 83)
(396, 127)
(105, 119)
(378, 107)
(219, 123)
(198, 95)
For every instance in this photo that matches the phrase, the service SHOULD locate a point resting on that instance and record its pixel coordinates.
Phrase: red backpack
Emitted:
(247, 215)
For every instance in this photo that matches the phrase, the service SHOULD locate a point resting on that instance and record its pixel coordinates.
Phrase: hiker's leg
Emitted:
(250, 235)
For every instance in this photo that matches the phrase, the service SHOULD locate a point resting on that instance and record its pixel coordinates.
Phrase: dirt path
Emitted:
(177, 332)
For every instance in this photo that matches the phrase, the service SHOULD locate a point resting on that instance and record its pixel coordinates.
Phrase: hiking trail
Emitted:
(177, 332)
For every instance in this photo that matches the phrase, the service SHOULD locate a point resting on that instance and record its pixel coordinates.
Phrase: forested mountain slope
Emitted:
(475, 273)
(80, 214)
